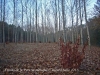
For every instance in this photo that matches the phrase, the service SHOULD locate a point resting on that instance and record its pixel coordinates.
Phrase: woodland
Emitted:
(47, 37)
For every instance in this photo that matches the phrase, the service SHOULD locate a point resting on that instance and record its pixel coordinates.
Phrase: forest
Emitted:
(50, 35)
(32, 22)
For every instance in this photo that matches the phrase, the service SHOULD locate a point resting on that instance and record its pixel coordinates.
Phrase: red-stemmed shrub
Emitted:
(49, 42)
(7, 42)
(71, 58)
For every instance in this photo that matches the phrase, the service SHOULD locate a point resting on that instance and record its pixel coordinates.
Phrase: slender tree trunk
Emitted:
(72, 26)
(30, 24)
(59, 17)
(45, 33)
(1, 10)
(56, 26)
(27, 21)
(76, 19)
(22, 23)
(42, 28)
(8, 33)
(63, 20)
(33, 25)
(16, 29)
(81, 22)
(88, 34)
(4, 23)
(25, 34)
(36, 22)
(42, 23)
(14, 22)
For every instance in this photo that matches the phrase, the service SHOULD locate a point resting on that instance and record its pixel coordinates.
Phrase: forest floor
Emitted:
(43, 59)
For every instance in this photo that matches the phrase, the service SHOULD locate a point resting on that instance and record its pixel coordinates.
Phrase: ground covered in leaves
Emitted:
(43, 59)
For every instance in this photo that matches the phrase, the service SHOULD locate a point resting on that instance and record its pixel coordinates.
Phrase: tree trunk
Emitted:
(88, 34)
(42, 23)
(30, 24)
(72, 26)
(27, 21)
(15, 21)
(76, 19)
(63, 20)
(8, 33)
(45, 32)
(36, 22)
(4, 23)
(33, 25)
(81, 32)
(59, 17)
(22, 23)
(1, 10)
(56, 26)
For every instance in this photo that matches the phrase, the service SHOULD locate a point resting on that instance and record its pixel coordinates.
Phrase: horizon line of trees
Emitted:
(50, 37)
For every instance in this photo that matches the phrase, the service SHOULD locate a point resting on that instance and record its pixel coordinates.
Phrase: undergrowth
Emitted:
(71, 56)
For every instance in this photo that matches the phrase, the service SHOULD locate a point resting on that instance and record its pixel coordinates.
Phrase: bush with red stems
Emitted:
(71, 58)
(7, 42)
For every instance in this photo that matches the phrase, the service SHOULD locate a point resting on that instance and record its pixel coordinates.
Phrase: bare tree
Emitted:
(1, 10)
(22, 23)
(71, 7)
(56, 23)
(63, 18)
(36, 22)
(4, 23)
(42, 21)
(72, 25)
(80, 6)
(33, 20)
(14, 21)
(59, 17)
(26, 5)
(88, 34)
(76, 6)
(1, 19)
(45, 16)
(30, 22)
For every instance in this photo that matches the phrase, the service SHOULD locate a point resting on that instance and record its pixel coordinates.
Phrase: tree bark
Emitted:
(4, 24)
(30, 24)
(56, 25)
(81, 32)
(59, 17)
(22, 23)
(36, 22)
(88, 34)
(76, 19)
(42, 23)
(63, 13)
(1, 10)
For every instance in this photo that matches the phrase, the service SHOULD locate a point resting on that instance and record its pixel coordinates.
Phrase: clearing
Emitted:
(23, 59)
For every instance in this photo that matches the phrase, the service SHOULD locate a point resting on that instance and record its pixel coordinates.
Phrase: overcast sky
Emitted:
(91, 3)
(9, 6)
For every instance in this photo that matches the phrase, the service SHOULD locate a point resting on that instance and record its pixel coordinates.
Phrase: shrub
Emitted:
(71, 58)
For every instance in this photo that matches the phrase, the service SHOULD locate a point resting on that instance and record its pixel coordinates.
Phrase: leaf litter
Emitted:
(43, 56)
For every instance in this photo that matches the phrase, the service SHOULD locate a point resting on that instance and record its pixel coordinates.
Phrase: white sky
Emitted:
(89, 9)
